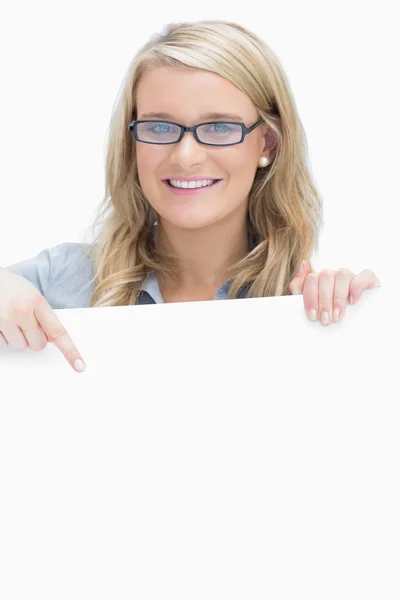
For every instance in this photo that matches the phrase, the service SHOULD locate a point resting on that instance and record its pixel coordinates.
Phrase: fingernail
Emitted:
(336, 315)
(325, 318)
(79, 365)
(351, 299)
(312, 314)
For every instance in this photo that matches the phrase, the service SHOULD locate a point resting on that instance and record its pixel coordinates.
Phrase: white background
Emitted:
(62, 65)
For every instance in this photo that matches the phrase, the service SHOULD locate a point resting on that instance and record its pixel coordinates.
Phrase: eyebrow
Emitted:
(212, 115)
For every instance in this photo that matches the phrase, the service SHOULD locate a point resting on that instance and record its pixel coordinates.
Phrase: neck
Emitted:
(205, 256)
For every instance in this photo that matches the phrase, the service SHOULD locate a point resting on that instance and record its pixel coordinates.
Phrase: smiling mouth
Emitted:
(191, 185)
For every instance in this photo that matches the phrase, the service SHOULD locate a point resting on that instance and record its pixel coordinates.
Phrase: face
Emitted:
(187, 97)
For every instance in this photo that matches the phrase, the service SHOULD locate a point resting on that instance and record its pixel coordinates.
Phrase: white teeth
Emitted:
(191, 184)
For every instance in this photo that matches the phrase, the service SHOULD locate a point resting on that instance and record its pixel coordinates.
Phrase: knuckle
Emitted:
(369, 273)
(345, 272)
(310, 278)
(5, 318)
(56, 332)
(21, 308)
(38, 299)
(327, 272)
(39, 346)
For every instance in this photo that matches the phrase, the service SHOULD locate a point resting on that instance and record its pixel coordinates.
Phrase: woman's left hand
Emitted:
(326, 294)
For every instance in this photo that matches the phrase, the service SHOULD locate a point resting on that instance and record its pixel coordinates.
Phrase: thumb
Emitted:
(304, 268)
(297, 283)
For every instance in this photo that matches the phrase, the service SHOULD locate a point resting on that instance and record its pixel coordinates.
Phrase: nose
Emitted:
(188, 151)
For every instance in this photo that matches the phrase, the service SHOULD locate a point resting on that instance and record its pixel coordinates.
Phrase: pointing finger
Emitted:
(57, 334)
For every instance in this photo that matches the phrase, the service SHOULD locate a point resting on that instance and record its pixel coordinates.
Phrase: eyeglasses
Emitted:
(217, 133)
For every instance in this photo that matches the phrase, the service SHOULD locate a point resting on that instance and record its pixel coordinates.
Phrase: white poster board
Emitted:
(211, 450)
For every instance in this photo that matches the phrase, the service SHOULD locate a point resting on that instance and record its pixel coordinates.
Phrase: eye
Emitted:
(160, 128)
(220, 127)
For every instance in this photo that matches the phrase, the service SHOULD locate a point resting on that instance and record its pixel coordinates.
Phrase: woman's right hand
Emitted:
(27, 319)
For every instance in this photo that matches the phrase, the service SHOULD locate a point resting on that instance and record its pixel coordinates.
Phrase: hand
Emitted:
(27, 319)
(325, 295)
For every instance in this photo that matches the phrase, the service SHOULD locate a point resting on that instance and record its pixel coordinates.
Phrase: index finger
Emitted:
(366, 280)
(57, 334)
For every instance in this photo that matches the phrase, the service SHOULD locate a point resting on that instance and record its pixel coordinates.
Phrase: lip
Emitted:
(193, 178)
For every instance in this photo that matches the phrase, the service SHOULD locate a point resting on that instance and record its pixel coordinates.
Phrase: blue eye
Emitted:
(221, 128)
(165, 128)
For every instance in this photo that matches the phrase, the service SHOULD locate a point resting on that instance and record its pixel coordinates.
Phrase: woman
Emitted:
(207, 179)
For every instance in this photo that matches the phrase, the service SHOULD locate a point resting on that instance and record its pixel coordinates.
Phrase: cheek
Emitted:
(242, 170)
(147, 164)
(241, 173)
(240, 161)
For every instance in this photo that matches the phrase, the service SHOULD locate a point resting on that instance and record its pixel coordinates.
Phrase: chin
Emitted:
(191, 222)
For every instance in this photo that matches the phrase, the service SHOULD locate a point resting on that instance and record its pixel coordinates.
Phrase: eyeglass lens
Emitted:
(159, 132)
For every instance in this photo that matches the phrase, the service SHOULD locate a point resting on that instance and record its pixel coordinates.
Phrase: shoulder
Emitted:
(61, 273)
(72, 274)
(71, 255)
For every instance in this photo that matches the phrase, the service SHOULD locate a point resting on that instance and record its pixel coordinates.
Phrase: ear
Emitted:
(270, 140)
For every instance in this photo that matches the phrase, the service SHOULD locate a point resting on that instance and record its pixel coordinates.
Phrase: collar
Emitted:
(151, 287)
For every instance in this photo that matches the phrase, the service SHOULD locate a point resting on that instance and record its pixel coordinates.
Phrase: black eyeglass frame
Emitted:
(245, 130)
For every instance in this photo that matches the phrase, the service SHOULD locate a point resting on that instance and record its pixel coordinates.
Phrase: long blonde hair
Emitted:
(285, 208)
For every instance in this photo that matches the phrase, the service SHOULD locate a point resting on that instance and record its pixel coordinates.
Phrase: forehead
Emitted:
(189, 93)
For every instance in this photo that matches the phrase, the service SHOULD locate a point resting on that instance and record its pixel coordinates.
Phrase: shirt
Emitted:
(63, 274)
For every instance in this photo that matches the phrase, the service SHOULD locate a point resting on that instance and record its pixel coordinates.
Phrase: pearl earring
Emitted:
(263, 161)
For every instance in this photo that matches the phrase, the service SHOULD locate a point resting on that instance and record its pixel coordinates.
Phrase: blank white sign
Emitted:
(211, 450)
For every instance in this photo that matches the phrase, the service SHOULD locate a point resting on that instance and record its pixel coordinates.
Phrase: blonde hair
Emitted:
(285, 207)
